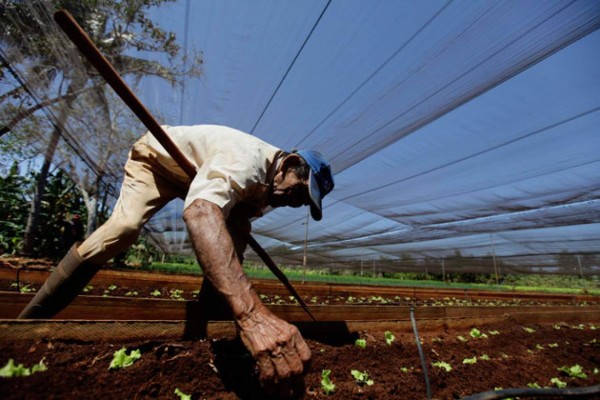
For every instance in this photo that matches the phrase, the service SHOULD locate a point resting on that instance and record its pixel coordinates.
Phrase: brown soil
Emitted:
(222, 369)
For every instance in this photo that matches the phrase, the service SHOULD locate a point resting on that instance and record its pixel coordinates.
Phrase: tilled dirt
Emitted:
(222, 369)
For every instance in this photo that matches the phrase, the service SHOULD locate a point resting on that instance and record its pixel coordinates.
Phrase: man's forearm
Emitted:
(280, 352)
(216, 254)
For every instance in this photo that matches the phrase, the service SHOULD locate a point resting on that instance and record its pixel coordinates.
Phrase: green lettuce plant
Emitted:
(575, 371)
(476, 333)
(326, 384)
(362, 378)
(11, 369)
(123, 360)
(389, 337)
(559, 384)
(182, 396)
(443, 365)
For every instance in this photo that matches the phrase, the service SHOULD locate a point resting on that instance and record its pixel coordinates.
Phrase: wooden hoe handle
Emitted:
(78, 36)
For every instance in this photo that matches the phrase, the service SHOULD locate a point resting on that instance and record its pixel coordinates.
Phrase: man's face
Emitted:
(288, 190)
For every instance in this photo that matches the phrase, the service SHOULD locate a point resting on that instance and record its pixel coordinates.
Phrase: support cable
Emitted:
(290, 67)
(377, 70)
(524, 65)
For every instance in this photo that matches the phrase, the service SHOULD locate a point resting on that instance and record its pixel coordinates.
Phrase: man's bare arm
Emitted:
(278, 348)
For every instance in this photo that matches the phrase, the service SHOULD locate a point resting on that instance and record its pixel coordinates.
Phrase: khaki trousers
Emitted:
(147, 187)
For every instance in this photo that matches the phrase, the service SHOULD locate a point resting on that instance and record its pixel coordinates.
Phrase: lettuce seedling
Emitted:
(442, 364)
(476, 333)
(22, 289)
(389, 337)
(11, 370)
(39, 367)
(362, 343)
(528, 330)
(123, 360)
(362, 378)
(461, 338)
(559, 384)
(484, 357)
(182, 396)
(326, 384)
(472, 360)
(575, 371)
(155, 293)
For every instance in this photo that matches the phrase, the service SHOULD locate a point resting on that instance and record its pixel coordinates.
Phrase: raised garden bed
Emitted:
(514, 354)
(110, 283)
(529, 336)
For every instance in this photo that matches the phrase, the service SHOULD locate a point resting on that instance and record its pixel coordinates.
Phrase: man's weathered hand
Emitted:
(280, 352)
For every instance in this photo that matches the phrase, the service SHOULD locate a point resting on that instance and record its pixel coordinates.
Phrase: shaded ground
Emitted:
(221, 369)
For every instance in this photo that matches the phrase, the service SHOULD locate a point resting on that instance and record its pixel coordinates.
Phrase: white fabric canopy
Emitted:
(451, 126)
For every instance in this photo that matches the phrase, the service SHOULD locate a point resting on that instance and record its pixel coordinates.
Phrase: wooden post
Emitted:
(443, 271)
(305, 244)
(361, 265)
(494, 258)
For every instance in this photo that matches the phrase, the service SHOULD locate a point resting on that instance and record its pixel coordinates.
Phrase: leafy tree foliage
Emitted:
(60, 201)
(14, 209)
(52, 77)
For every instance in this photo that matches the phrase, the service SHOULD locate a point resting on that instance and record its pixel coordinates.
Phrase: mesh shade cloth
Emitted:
(465, 128)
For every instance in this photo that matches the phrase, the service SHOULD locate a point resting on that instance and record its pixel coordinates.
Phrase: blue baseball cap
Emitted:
(320, 180)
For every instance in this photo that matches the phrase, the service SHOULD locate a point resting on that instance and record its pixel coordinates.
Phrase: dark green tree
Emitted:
(57, 76)
(14, 209)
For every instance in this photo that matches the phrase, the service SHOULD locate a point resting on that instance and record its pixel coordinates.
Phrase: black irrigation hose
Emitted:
(423, 363)
(590, 392)
(575, 393)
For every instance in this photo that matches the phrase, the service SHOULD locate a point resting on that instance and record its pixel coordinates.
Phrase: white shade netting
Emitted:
(462, 134)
